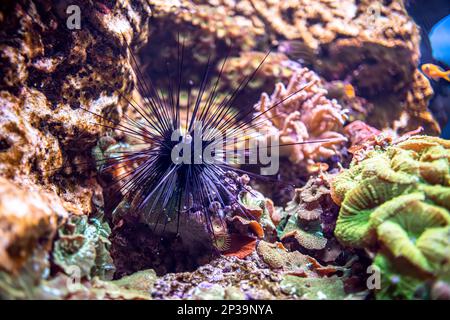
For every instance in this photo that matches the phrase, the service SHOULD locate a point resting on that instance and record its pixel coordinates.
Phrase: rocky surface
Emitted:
(28, 221)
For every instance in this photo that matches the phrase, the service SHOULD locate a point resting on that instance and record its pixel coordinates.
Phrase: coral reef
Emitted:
(397, 199)
(249, 278)
(373, 46)
(363, 45)
(48, 73)
(306, 116)
(86, 246)
(356, 61)
(308, 221)
(260, 275)
(52, 72)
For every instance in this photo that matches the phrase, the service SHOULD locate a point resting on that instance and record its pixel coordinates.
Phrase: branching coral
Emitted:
(307, 115)
(373, 46)
(398, 199)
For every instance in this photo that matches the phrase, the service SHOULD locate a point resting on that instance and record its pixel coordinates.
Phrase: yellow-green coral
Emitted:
(396, 201)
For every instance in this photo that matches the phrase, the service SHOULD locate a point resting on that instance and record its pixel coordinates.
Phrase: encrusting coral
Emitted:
(331, 288)
(304, 277)
(372, 45)
(248, 278)
(210, 21)
(268, 273)
(364, 29)
(63, 287)
(293, 262)
(397, 199)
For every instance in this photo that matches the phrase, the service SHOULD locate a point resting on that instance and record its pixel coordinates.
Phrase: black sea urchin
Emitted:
(185, 150)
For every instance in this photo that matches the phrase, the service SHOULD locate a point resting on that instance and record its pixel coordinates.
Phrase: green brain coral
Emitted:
(396, 202)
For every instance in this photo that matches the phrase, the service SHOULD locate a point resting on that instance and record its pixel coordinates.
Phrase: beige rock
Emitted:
(28, 221)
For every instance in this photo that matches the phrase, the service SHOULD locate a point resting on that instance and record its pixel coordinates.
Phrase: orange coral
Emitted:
(274, 214)
(360, 132)
(252, 225)
(241, 246)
